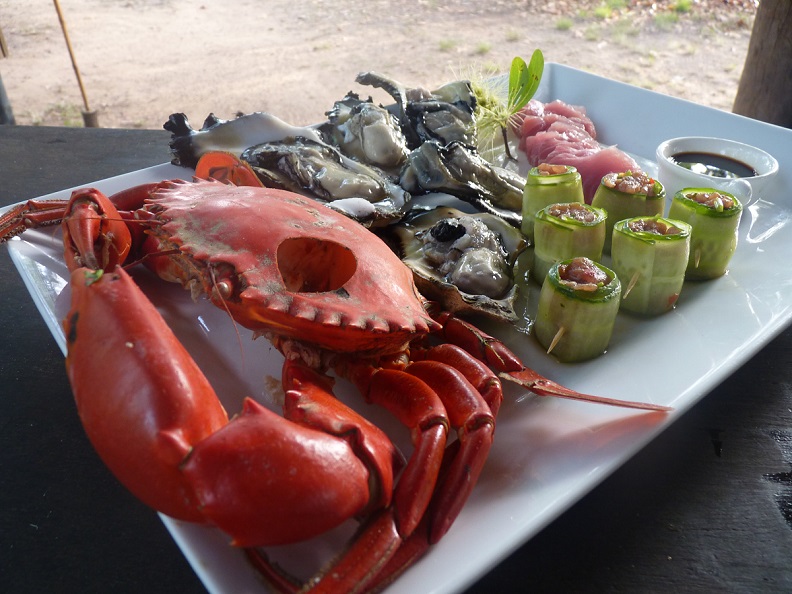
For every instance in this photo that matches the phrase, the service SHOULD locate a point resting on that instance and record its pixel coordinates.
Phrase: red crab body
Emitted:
(285, 264)
(330, 296)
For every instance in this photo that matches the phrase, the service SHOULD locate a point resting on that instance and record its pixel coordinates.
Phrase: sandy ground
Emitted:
(141, 60)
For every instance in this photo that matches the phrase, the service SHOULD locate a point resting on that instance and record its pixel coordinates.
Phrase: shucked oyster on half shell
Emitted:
(463, 260)
(459, 170)
(443, 115)
(233, 136)
(366, 132)
(320, 171)
(296, 159)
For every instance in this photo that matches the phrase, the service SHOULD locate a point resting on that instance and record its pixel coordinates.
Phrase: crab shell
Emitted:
(284, 264)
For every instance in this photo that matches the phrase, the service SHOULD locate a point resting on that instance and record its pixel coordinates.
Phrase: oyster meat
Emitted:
(461, 171)
(443, 115)
(367, 160)
(320, 171)
(366, 132)
(465, 261)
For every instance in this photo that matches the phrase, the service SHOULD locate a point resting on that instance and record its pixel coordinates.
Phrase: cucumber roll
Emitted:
(650, 255)
(714, 216)
(548, 184)
(577, 309)
(562, 231)
(626, 195)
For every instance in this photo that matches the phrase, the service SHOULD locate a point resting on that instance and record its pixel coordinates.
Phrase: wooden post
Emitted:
(89, 117)
(766, 81)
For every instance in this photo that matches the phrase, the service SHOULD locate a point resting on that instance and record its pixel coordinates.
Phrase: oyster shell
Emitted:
(366, 132)
(461, 171)
(366, 160)
(443, 115)
(318, 170)
(234, 136)
(464, 261)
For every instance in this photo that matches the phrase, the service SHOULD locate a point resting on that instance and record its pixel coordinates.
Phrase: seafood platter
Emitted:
(412, 178)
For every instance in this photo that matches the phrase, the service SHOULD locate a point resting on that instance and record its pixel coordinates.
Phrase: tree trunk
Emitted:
(6, 115)
(765, 91)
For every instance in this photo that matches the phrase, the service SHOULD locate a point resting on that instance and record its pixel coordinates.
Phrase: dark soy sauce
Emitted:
(713, 165)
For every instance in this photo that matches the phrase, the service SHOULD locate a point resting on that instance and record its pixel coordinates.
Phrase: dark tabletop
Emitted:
(707, 506)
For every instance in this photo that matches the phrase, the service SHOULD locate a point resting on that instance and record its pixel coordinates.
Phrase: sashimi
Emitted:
(537, 116)
(562, 134)
(594, 164)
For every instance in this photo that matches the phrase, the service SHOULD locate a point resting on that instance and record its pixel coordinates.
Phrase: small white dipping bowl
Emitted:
(674, 177)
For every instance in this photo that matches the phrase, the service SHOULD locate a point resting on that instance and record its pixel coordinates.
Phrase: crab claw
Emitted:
(94, 234)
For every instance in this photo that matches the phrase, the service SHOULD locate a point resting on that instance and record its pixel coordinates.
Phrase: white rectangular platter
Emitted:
(548, 453)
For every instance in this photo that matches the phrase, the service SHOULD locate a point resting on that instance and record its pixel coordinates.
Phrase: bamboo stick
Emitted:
(89, 117)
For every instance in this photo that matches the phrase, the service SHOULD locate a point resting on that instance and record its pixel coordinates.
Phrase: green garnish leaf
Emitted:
(494, 113)
(524, 79)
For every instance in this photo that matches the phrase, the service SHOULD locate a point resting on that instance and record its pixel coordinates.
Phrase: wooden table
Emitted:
(707, 506)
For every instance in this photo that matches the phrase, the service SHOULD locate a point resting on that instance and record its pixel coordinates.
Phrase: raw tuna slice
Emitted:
(562, 134)
(537, 116)
(560, 137)
(595, 164)
(574, 113)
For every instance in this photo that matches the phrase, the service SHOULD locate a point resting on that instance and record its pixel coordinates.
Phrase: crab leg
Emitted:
(33, 214)
(475, 426)
(492, 351)
(421, 512)
(488, 386)
(30, 215)
(477, 373)
(427, 396)
(180, 455)
(416, 406)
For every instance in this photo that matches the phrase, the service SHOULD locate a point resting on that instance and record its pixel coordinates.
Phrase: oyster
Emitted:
(464, 261)
(443, 115)
(366, 160)
(461, 171)
(366, 132)
(320, 171)
(233, 136)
